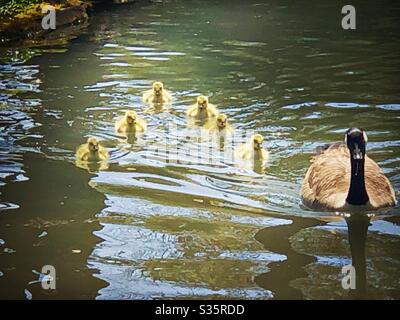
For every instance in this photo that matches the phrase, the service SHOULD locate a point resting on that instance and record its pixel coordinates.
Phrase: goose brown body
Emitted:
(327, 182)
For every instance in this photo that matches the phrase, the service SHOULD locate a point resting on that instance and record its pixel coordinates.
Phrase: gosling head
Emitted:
(222, 120)
(93, 144)
(158, 88)
(356, 140)
(202, 102)
(130, 117)
(257, 141)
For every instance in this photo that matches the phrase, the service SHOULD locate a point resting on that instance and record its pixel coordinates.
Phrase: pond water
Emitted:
(144, 227)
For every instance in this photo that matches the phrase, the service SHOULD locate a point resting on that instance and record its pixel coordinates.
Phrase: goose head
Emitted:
(202, 102)
(158, 88)
(93, 144)
(257, 141)
(130, 117)
(222, 121)
(356, 140)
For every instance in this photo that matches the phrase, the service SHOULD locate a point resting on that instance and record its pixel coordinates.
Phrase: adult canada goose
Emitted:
(130, 123)
(202, 109)
(342, 177)
(91, 151)
(157, 94)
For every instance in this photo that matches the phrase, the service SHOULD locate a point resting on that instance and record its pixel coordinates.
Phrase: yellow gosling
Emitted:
(252, 150)
(91, 151)
(130, 123)
(157, 94)
(221, 126)
(202, 109)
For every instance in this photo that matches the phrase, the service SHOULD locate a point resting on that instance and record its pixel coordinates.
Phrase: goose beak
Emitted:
(357, 154)
(131, 120)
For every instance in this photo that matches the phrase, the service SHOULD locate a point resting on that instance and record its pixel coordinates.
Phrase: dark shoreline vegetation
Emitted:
(21, 20)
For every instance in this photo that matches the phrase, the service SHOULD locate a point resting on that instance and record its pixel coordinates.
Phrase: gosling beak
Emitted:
(357, 154)
(96, 148)
(158, 92)
(131, 120)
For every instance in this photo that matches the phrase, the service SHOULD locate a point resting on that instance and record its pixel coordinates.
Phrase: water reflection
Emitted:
(156, 108)
(153, 251)
(92, 167)
(131, 138)
(357, 225)
(16, 119)
(342, 243)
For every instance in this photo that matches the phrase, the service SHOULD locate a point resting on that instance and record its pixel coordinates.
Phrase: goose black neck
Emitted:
(357, 192)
